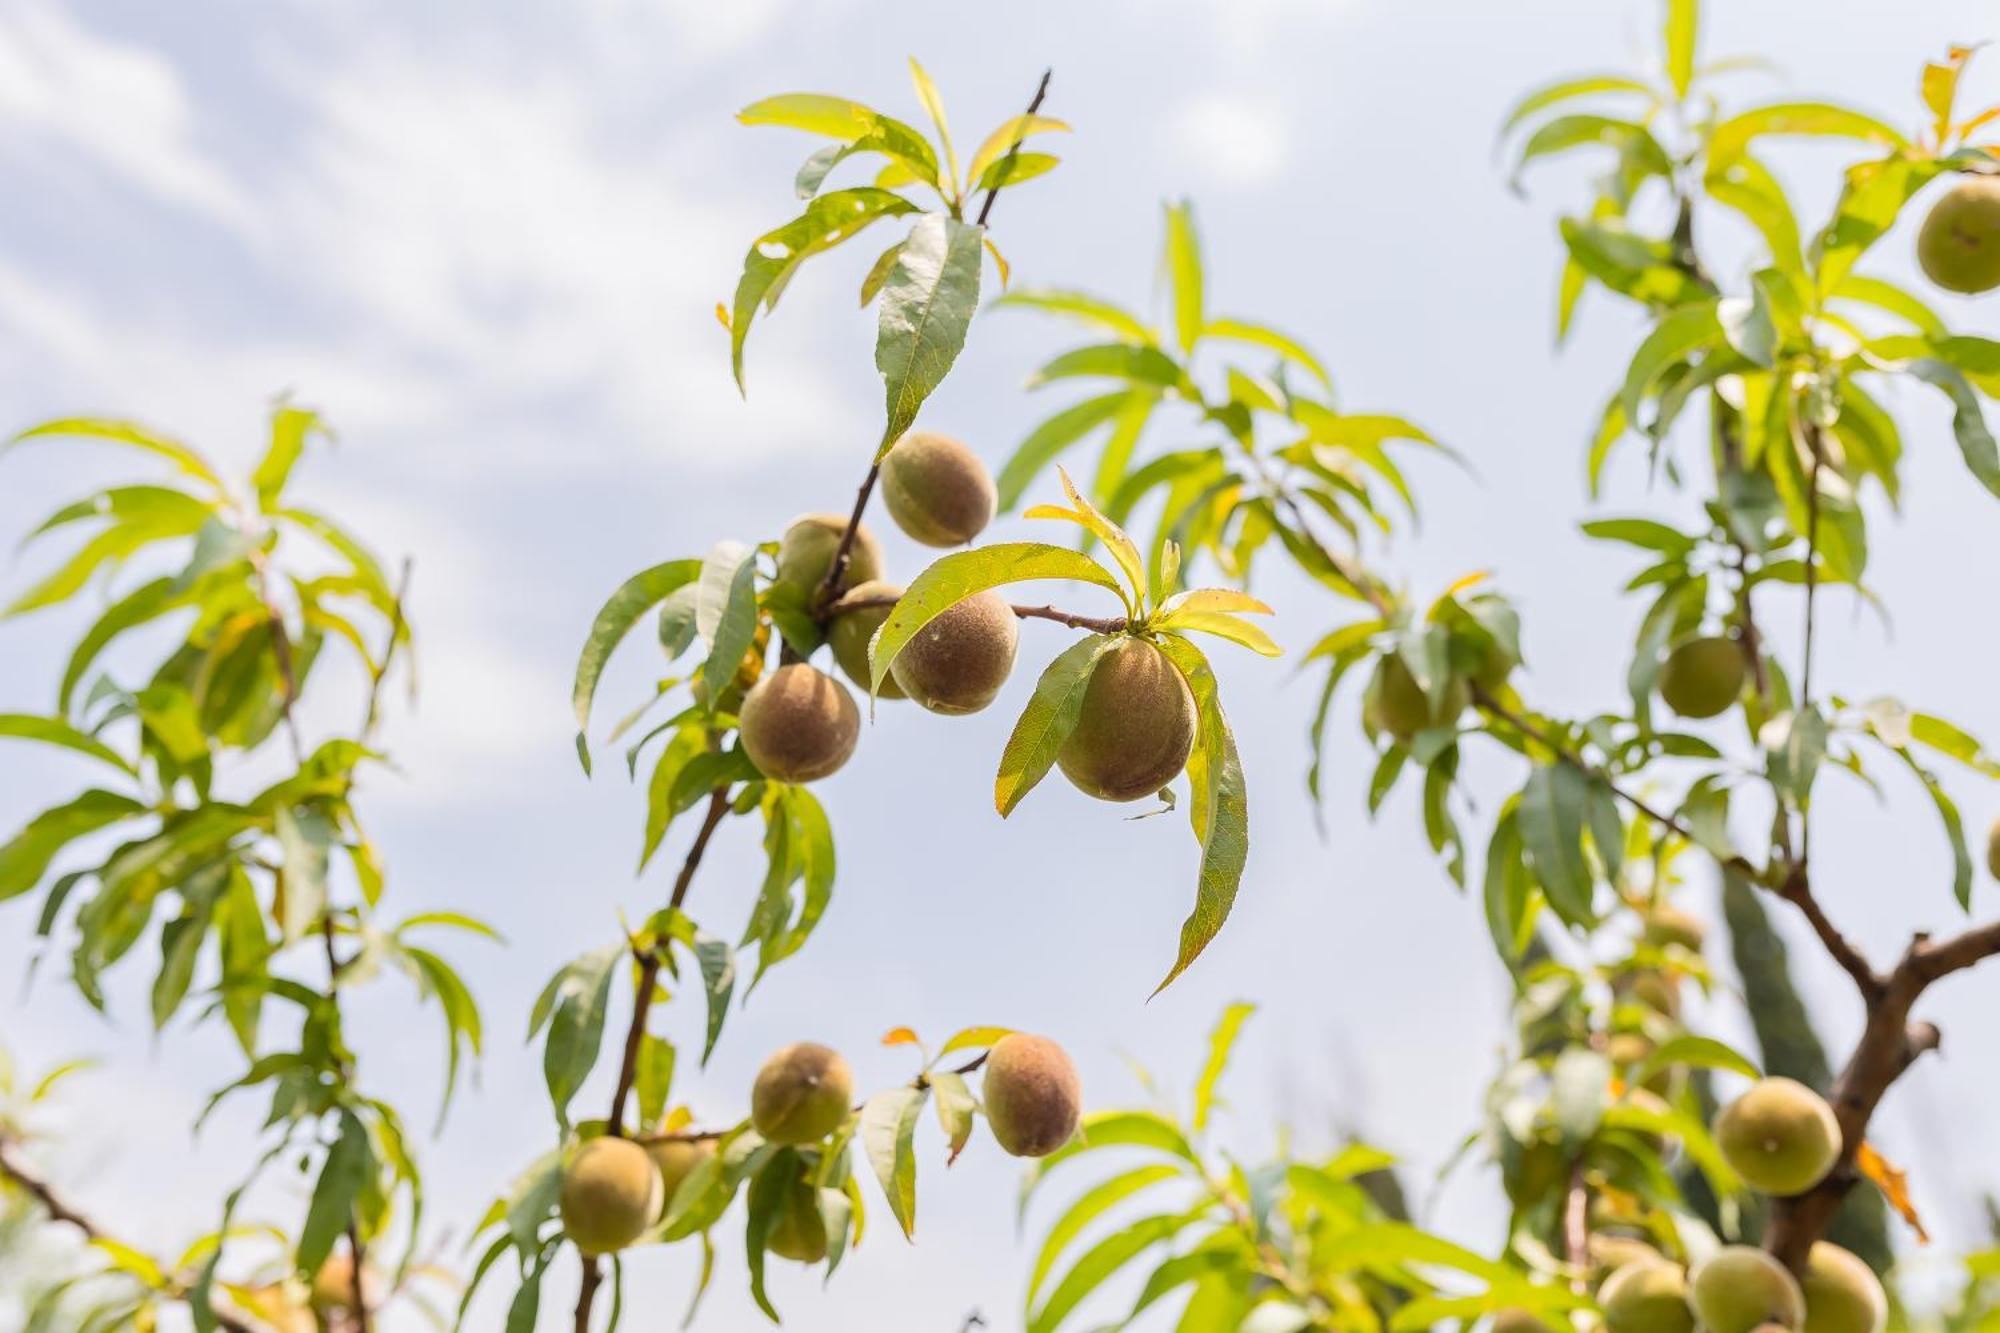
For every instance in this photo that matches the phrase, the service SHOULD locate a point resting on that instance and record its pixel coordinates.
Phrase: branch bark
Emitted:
(1099, 624)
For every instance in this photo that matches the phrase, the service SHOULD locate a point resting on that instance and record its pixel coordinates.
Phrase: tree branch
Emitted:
(1098, 624)
(44, 1194)
(635, 1032)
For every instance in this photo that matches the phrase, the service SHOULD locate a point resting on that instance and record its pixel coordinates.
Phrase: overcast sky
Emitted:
(487, 240)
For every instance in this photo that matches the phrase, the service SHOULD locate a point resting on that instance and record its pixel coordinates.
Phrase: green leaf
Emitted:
(1220, 1042)
(1101, 1261)
(926, 307)
(25, 859)
(653, 1078)
(1182, 264)
(110, 547)
(1694, 1052)
(1968, 422)
(1047, 721)
(1641, 532)
(1954, 828)
(348, 1170)
(933, 101)
(463, 1026)
(1114, 1129)
(955, 1105)
(1551, 822)
(305, 838)
(888, 1133)
(1079, 306)
(1683, 16)
(291, 428)
(1088, 1207)
(1048, 440)
(576, 1027)
(1219, 809)
(633, 599)
(1634, 142)
(128, 433)
(1677, 335)
(1568, 89)
(775, 257)
(718, 979)
(956, 577)
(999, 143)
(725, 613)
(1137, 364)
(1732, 137)
(55, 731)
(1271, 340)
(815, 113)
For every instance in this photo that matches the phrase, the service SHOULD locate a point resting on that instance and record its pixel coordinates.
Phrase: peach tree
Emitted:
(1641, 1198)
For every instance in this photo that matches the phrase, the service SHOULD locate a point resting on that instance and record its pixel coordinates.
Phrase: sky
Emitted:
(487, 241)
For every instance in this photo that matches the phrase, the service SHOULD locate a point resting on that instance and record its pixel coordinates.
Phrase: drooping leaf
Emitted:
(1047, 721)
(888, 1133)
(633, 599)
(775, 257)
(926, 306)
(1218, 808)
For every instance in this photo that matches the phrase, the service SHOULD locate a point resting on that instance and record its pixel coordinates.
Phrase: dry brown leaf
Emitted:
(1894, 1184)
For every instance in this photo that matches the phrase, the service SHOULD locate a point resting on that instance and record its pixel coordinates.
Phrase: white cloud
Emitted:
(120, 106)
(1234, 140)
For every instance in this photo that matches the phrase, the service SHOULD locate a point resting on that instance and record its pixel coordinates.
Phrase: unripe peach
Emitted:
(1136, 726)
(1843, 1295)
(1740, 1288)
(1670, 925)
(1959, 246)
(806, 552)
(1397, 705)
(958, 662)
(1032, 1094)
(937, 490)
(1650, 987)
(1703, 677)
(850, 632)
(676, 1159)
(610, 1195)
(1780, 1136)
(333, 1286)
(802, 1094)
(1609, 1253)
(798, 1232)
(1518, 1321)
(1648, 1296)
(799, 724)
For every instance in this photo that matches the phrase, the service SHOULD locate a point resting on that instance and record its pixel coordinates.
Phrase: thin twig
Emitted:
(1098, 624)
(1014, 149)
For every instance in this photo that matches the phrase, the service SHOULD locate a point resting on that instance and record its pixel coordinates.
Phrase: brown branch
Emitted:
(635, 1033)
(1097, 624)
(1890, 1043)
(60, 1211)
(1576, 1227)
(1796, 889)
